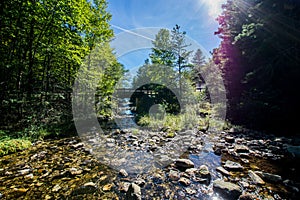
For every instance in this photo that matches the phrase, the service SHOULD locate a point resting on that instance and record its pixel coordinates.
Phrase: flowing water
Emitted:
(65, 168)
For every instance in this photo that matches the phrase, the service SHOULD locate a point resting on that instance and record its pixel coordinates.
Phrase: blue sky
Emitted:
(136, 21)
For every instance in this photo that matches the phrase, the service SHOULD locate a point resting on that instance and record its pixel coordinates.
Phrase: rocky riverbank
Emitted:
(228, 165)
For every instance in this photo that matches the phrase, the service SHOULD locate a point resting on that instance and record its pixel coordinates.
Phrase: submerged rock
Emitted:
(56, 188)
(227, 190)
(248, 196)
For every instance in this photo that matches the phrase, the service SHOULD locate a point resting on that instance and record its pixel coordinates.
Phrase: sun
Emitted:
(214, 7)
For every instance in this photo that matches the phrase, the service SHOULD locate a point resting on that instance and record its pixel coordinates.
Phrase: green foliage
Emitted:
(259, 58)
(43, 45)
(13, 145)
(167, 73)
(186, 120)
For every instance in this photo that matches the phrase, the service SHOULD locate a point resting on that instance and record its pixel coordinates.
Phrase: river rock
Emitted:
(248, 196)
(241, 149)
(227, 190)
(174, 175)
(78, 145)
(24, 172)
(191, 171)
(56, 188)
(269, 177)
(29, 176)
(184, 163)
(255, 178)
(184, 181)
(123, 186)
(229, 139)
(90, 184)
(204, 172)
(134, 192)
(233, 165)
(87, 188)
(223, 171)
(140, 182)
(123, 173)
(75, 171)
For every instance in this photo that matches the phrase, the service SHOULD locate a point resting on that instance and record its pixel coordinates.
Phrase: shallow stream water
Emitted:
(66, 169)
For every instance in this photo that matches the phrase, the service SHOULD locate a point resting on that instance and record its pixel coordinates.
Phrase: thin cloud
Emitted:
(131, 32)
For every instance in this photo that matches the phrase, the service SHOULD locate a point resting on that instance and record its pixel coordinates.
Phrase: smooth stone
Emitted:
(87, 188)
(184, 163)
(140, 182)
(204, 172)
(107, 187)
(241, 149)
(174, 175)
(227, 190)
(248, 196)
(75, 171)
(233, 165)
(190, 191)
(29, 176)
(123, 173)
(90, 184)
(255, 178)
(134, 192)
(56, 188)
(123, 186)
(24, 172)
(78, 145)
(229, 139)
(184, 181)
(191, 171)
(269, 177)
(223, 171)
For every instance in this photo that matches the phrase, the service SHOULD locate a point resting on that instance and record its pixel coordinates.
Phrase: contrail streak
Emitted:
(131, 32)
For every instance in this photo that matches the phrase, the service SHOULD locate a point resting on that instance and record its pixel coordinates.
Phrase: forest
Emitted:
(47, 45)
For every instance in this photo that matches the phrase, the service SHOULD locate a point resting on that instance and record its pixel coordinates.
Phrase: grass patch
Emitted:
(13, 145)
(188, 119)
(11, 142)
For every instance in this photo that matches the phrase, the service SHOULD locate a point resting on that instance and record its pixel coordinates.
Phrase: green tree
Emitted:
(179, 49)
(259, 55)
(43, 44)
(162, 51)
(198, 62)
